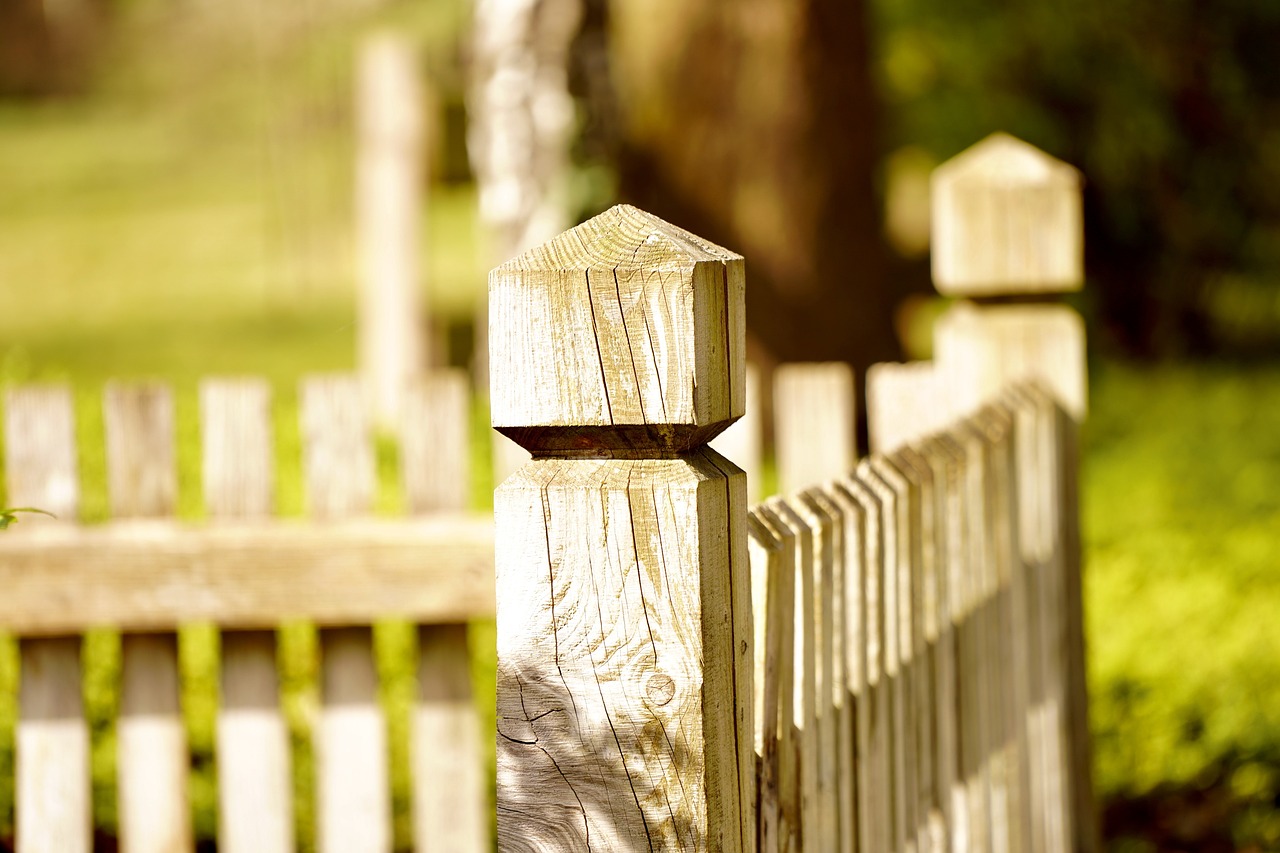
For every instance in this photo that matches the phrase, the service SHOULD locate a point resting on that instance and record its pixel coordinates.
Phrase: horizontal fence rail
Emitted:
(146, 574)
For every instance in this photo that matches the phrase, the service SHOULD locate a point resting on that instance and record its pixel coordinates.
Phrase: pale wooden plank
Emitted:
(449, 791)
(1006, 219)
(52, 785)
(255, 802)
(946, 535)
(905, 402)
(435, 455)
(981, 350)
(814, 415)
(743, 441)
(824, 519)
(449, 798)
(391, 329)
(806, 660)
(770, 617)
(142, 474)
(154, 576)
(353, 800)
(52, 769)
(152, 758)
(151, 748)
(917, 478)
(337, 447)
(782, 616)
(873, 720)
(891, 489)
(851, 597)
(237, 443)
(602, 654)
(836, 628)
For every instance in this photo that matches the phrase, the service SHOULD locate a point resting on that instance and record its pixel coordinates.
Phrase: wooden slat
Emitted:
(154, 576)
(449, 791)
(806, 662)
(837, 636)
(828, 626)
(254, 784)
(905, 402)
(814, 416)
(434, 443)
(944, 488)
(391, 344)
(765, 552)
(53, 788)
(353, 801)
(781, 638)
(450, 811)
(873, 724)
(891, 489)
(152, 760)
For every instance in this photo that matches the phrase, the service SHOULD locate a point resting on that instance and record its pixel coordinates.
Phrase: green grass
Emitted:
(1181, 514)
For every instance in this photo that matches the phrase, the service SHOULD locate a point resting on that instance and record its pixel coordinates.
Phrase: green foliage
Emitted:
(1171, 109)
(9, 516)
(1181, 514)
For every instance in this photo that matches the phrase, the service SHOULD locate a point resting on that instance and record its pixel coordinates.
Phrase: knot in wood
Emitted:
(623, 336)
(661, 688)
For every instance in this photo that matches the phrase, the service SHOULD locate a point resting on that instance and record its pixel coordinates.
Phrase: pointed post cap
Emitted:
(623, 336)
(1006, 220)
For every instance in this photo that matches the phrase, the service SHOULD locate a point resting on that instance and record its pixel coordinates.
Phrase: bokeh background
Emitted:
(176, 200)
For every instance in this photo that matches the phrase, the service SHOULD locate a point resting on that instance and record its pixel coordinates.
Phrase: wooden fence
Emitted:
(146, 574)
(888, 660)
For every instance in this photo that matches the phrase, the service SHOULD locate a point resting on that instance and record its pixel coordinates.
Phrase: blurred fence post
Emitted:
(1008, 234)
(391, 327)
(624, 617)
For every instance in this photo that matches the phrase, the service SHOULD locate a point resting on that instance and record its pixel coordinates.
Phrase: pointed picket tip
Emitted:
(621, 238)
(1007, 220)
(1007, 160)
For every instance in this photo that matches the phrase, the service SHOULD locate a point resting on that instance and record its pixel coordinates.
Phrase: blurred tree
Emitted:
(755, 124)
(1172, 110)
(47, 47)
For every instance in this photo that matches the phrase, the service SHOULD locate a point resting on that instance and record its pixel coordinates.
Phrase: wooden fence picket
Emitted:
(255, 793)
(353, 799)
(814, 415)
(449, 795)
(53, 790)
(152, 758)
(770, 601)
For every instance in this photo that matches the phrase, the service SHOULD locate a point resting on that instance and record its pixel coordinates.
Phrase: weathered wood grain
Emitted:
(255, 797)
(52, 768)
(1006, 219)
(770, 591)
(814, 417)
(782, 615)
(156, 575)
(616, 336)
(152, 758)
(616, 662)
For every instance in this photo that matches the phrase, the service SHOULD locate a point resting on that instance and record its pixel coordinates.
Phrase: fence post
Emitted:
(391, 343)
(624, 624)
(1008, 232)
